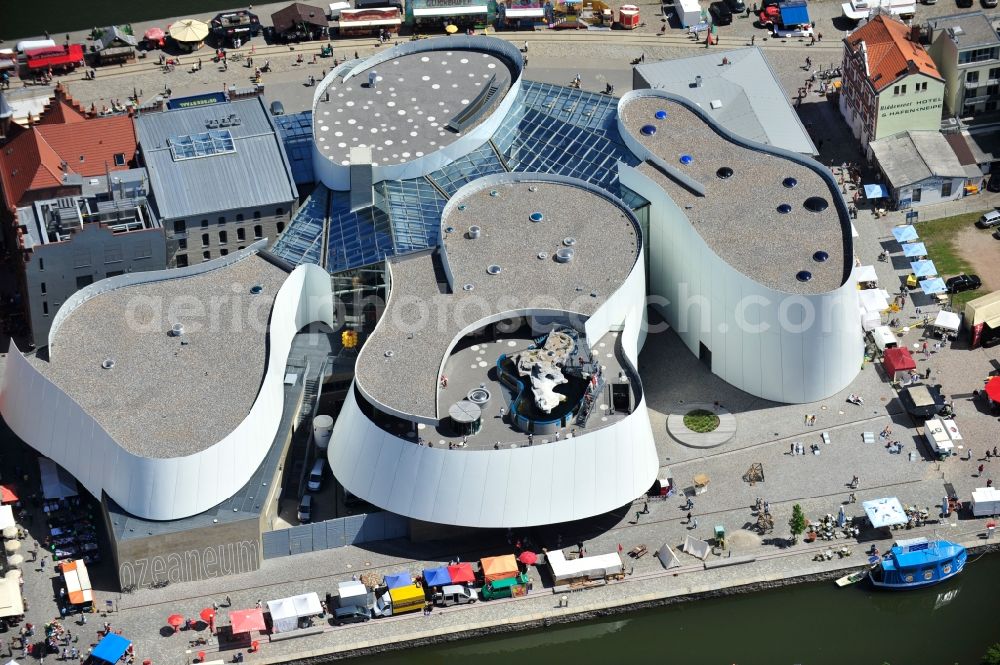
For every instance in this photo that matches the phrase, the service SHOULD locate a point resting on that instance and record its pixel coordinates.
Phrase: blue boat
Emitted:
(917, 563)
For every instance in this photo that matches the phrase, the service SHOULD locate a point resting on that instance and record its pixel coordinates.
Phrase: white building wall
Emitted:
(930, 192)
(48, 420)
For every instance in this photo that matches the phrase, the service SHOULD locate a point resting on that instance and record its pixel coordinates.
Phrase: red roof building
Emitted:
(890, 83)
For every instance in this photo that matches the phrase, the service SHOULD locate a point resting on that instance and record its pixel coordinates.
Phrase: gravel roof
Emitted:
(164, 399)
(421, 320)
(404, 116)
(738, 217)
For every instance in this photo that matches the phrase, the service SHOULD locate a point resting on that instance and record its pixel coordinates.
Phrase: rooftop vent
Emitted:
(536, 216)
(697, 81)
(256, 289)
(648, 130)
(716, 103)
(177, 329)
(108, 363)
(543, 255)
(569, 241)
(565, 254)
(474, 232)
(468, 287)
(494, 269)
(449, 229)
(494, 192)
(389, 354)
(478, 396)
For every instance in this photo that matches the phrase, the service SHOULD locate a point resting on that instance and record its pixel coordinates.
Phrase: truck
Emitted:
(400, 600)
(941, 436)
(855, 10)
(454, 594)
(349, 594)
(509, 587)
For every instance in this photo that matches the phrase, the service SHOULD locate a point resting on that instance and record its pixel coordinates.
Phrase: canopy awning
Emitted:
(794, 13)
(885, 512)
(876, 192)
(6, 517)
(499, 567)
(873, 300)
(397, 580)
(424, 12)
(7, 495)
(525, 12)
(11, 603)
(111, 648)
(244, 621)
(897, 360)
(914, 249)
(947, 321)
(71, 56)
(77, 582)
(286, 612)
(924, 268)
(188, 30)
(933, 285)
(370, 24)
(56, 483)
(436, 576)
(865, 274)
(461, 573)
(905, 233)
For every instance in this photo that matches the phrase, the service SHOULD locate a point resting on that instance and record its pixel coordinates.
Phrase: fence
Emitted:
(334, 533)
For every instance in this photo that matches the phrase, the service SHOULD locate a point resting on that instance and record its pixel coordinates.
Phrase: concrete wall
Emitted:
(909, 110)
(944, 53)
(205, 233)
(93, 254)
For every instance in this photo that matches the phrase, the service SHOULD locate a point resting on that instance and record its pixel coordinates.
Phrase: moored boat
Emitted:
(917, 562)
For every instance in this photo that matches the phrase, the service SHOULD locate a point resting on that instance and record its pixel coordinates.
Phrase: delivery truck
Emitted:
(509, 587)
(399, 600)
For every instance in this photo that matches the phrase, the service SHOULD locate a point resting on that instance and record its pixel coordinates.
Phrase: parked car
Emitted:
(964, 4)
(277, 108)
(351, 614)
(989, 219)
(316, 475)
(736, 6)
(993, 184)
(721, 14)
(793, 30)
(989, 4)
(305, 509)
(960, 283)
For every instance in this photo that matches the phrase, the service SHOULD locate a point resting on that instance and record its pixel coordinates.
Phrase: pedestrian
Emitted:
(229, 602)
(645, 507)
(689, 517)
(43, 563)
(767, 508)
(694, 525)
(995, 451)
(753, 38)
(637, 514)
(791, 450)
(355, 55)
(215, 606)
(259, 605)
(981, 467)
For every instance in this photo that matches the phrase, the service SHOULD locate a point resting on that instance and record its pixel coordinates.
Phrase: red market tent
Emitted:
(462, 573)
(58, 57)
(528, 558)
(245, 621)
(897, 360)
(7, 494)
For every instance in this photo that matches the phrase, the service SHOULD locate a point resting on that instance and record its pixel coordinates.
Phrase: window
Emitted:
(241, 247)
(45, 308)
(113, 254)
(239, 217)
(994, 73)
(41, 263)
(204, 223)
(946, 189)
(222, 220)
(205, 256)
(279, 211)
(223, 237)
(180, 226)
(120, 159)
(84, 280)
(182, 243)
(281, 227)
(241, 233)
(971, 78)
(204, 240)
(978, 55)
(143, 249)
(256, 214)
(895, 90)
(224, 252)
(44, 289)
(922, 86)
(258, 232)
(182, 260)
(916, 194)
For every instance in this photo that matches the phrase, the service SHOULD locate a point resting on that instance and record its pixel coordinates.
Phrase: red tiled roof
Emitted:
(890, 51)
(32, 160)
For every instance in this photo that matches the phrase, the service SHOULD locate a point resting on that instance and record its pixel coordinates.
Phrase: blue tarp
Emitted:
(436, 577)
(905, 233)
(923, 268)
(397, 580)
(111, 648)
(794, 13)
(914, 249)
(932, 286)
(876, 192)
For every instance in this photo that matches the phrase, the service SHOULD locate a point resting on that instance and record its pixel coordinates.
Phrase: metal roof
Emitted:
(967, 30)
(751, 101)
(257, 173)
(910, 157)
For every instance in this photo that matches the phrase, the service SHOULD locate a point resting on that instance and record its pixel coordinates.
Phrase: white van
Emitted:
(883, 338)
(316, 475)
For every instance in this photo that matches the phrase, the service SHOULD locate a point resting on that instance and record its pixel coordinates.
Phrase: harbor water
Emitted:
(811, 624)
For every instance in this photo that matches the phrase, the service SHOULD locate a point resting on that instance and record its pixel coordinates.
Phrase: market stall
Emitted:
(188, 33)
(286, 613)
(76, 581)
(985, 501)
(397, 580)
(436, 14)
(461, 573)
(499, 567)
(913, 250)
(115, 44)
(111, 648)
(864, 275)
(11, 602)
(982, 316)
(942, 435)
(355, 22)
(922, 401)
(897, 362)
(298, 22)
(602, 566)
(947, 323)
(7, 494)
(905, 233)
(246, 621)
(434, 577)
(885, 512)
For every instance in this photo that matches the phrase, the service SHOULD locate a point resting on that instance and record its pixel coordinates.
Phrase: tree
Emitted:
(798, 522)
(992, 656)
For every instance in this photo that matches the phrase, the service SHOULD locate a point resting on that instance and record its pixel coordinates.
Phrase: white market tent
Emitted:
(286, 612)
(11, 603)
(873, 300)
(696, 547)
(56, 483)
(667, 556)
(947, 321)
(985, 501)
(885, 512)
(6, 517)
(588, 567)
(865, 274)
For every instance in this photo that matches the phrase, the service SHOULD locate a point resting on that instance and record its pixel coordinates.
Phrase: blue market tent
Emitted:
(923, 268)
(436, 577)
(914, 249)
(876, 192)
(794, 12)
(932, 286)
(111, 648)
(397, 580)
(905, 233)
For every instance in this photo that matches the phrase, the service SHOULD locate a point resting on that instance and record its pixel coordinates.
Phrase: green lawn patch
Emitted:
(939, 237)
(701, 421)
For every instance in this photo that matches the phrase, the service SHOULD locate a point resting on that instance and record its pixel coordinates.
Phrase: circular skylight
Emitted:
(494, 269)
(784, 208)
(820, 256)
(816, 204)
(536, 216)
(724, 173)
(661, 115)
(803, 275)
(789, 182)
(648, 130)
(686, 159)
